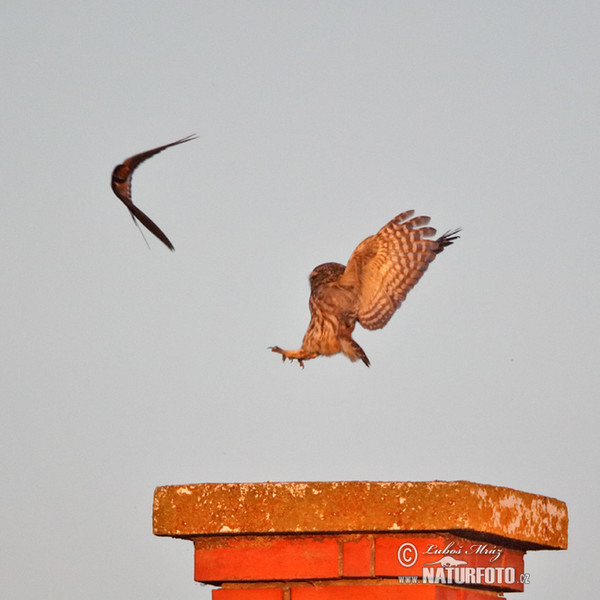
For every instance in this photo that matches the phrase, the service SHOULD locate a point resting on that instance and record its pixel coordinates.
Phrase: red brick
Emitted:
(389, 592)
(455, 593)
(248, 594)
(356, 558)
(364, 592)
(265, 559)
(515, 559)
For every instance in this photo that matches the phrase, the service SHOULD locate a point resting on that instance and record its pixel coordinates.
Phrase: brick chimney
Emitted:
(360, 540)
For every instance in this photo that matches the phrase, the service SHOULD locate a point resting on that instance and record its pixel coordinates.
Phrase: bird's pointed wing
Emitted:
(387, 265)
(134, 161)
(150, 225)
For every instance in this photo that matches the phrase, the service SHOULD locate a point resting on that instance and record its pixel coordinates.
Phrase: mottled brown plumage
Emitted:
(121, 186)
(379, 274)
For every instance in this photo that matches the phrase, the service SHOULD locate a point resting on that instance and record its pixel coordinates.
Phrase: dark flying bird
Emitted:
(121, 186)
(381, 271)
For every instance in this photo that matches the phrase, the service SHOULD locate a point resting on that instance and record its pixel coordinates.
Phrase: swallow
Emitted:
(121, 186)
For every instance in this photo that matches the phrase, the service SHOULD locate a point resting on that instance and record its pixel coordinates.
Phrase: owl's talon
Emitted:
(279, 351)
(288, 355)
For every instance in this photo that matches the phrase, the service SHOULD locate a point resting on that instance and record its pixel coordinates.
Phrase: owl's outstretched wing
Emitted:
(387, 265)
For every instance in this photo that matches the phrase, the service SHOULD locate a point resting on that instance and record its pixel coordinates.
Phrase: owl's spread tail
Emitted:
(353, 351)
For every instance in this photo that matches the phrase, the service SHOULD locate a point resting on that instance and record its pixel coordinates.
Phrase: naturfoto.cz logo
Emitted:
(451, 565)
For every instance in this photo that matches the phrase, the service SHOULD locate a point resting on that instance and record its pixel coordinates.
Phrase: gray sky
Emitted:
(125, 368)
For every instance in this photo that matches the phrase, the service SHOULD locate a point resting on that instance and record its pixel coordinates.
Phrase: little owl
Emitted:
(369, 289)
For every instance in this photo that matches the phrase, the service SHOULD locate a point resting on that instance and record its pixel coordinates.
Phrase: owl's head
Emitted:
(325, 273)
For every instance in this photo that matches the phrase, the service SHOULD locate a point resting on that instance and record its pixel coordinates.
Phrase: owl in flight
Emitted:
(121, 186)
(369, 289)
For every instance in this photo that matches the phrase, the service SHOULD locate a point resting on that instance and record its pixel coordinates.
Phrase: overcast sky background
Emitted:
(124, 368)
